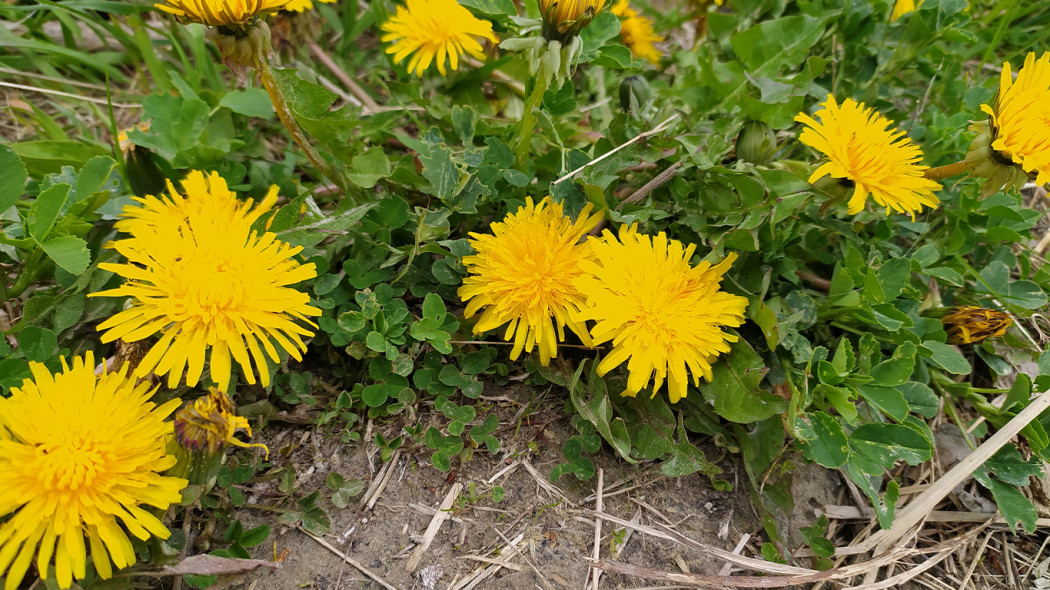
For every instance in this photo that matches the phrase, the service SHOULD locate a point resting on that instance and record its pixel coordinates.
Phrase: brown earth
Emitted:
(553, 524)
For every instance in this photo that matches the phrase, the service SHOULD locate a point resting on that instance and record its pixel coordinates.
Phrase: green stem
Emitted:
(36, 261)
(946, 171)
(284, 113)
(523, 136)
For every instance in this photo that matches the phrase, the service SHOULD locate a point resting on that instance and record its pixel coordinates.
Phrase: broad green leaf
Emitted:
(885, 444)
(491, 7)
(1014, 506)
(439, 170)
(45, 209)
(38, 344)
(68, 252)
(823, 438)
(251, 102)
(945, 356)
(1008, 465)
(368, 168)
(921, 399)
(13, 173)
(769, 46)
(896, 370)
(311, 233)
(46, 156)
(885, 506)
(591, 400)
(95, 177)
(887, 399)
(734, 386)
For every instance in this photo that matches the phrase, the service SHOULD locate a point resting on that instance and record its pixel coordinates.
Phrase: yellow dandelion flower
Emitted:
(221, 13)
(198, 276)
(433, 30)
(902, 7)
(209, 422)
(862, 150)
(636, 31)
(80, 454)
(302, 5)
(1020, 117)
(563, 19)
(206, 198)
(663, 315)
(522, 276)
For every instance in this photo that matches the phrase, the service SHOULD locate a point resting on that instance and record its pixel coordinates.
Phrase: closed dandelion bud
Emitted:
(756, 143)
(202, 429)
(635, 95)
(241, 48)
(967, 324)
(564, 19)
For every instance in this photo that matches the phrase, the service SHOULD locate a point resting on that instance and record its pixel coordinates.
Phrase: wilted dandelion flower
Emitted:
(563, 19)
(861, 149)
(662, 315)
(433, 30)
(201, 279)
(1019, 118)
(968, 325)
(636, 31)
(209, 422)
(221, 13)
(522, 276)
(80, 454)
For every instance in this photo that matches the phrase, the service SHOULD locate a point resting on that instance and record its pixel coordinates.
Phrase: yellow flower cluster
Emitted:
(663, 316)
(200, 277)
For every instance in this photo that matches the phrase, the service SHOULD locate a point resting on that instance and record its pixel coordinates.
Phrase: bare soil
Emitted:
(553, 523)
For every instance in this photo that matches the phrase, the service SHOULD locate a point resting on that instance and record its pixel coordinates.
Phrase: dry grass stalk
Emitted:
(440, 517)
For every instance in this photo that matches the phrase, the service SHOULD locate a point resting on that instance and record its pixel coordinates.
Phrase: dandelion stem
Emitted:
(947, 171)
(285, 114)
(522, 137)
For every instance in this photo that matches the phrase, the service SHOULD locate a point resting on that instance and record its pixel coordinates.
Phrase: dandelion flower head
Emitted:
(637, 33)
(523, 273)
(221, 13)
(207, 199)
(563, 19)
(433, 30)
(903, 7)
(664, 317)
(80, 454)
(1020, 116)
(303, 5)
(208, 282)
(861, 148)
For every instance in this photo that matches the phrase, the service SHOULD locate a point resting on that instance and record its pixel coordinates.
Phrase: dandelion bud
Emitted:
(243, 48)
(635, 95)
(564, 19)
(756, 143)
